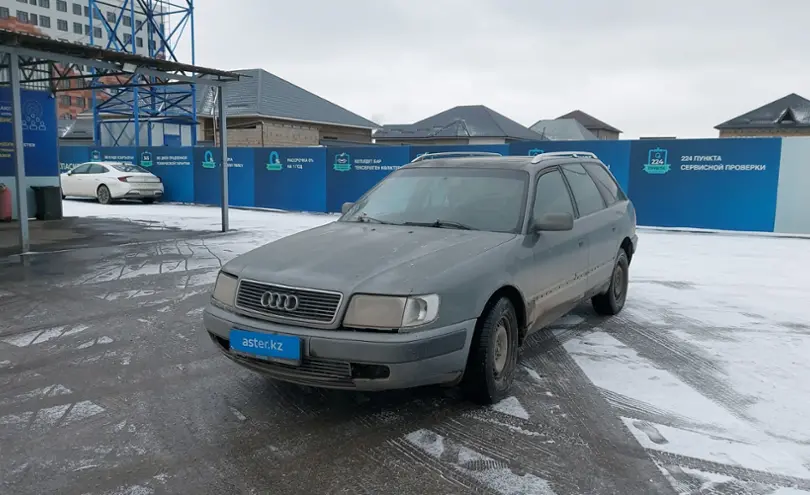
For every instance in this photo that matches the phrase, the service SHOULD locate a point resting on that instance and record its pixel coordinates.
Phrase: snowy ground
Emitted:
(701, 385)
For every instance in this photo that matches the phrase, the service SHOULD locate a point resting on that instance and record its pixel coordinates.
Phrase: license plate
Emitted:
(266, 345)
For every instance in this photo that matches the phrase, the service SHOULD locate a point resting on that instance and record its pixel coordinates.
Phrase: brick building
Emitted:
(785, 117)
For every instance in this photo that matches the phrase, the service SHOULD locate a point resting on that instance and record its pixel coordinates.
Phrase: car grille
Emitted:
(313, 306)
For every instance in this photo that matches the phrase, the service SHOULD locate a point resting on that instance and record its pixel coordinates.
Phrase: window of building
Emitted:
(33, 19)
(80, 101)
(45, 4)
(23, 1)
(64, 100)
(4, 13)
(110, 16)
(127, 38)
(77, 9)
(586, 194)
(77, 27)
(138, 24)
(551, 196)
(127, 20)
(45, 21)
(96, 32)
(61, 25)
(152, 44)
(139, 42)
(86, 11)
(61, 5)
(22, 16)
(87, 29)
(97, 14)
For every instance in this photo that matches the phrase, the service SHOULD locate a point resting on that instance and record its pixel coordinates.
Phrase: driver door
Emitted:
(560, 259)
(72, 182)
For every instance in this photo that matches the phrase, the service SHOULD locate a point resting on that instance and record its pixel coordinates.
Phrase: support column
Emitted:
(223, 144)
(19, 152)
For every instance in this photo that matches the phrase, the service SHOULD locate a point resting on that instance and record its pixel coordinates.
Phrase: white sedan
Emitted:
(108, 181)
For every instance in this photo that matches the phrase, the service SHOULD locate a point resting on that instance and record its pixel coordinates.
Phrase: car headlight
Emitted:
(225, 288)
(367, 311)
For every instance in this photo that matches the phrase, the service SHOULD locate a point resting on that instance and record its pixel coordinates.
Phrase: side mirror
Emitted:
(346, 207)
(554, 222)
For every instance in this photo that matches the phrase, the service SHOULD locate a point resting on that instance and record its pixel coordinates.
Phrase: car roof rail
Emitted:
(562, 154)
(452, 154)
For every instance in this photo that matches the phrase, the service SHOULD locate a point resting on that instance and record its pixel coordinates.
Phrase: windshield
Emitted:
(127, 168)
(466, 198)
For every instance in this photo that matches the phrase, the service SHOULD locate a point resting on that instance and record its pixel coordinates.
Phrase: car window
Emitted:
(481, 199)
(97, 169)
(127, 168)
(551, 196)
(586, 194)
(605, 182)
(81, 169)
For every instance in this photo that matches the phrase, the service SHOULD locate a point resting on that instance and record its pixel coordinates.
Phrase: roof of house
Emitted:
(261, 94)
(265, 94)
(563, 130)
(469, 121)
(588, 121)
(790, 111)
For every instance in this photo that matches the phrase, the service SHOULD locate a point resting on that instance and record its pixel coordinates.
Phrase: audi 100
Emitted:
(437, 275)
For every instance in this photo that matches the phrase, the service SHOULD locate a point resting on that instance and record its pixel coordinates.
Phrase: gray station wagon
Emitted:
(435, 276)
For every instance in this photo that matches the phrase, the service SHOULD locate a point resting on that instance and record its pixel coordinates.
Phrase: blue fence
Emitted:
(704, 183)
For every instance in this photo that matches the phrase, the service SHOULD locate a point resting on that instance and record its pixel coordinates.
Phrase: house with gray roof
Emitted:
(263, 110)
(785, 117)
(469, 124)
(598, 128)
(563, 130)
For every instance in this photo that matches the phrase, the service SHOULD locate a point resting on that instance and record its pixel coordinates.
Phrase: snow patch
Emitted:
(430, 442)
(511, 406)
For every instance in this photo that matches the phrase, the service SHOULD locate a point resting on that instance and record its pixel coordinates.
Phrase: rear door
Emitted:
(560, 258)
(596, 221)
(619, 219)
(94, 178)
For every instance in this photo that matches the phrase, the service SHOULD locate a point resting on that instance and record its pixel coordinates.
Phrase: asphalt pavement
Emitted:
(108, 384)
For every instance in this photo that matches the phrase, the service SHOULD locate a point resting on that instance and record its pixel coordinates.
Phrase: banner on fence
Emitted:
(290, 178)
(351, 171)
(727, 184)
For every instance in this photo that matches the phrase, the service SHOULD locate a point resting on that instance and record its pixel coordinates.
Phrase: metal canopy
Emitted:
(37, 62)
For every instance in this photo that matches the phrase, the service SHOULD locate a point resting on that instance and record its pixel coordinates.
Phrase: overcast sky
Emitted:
(648, 67)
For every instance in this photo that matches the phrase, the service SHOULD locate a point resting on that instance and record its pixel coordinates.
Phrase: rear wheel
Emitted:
(103, 195)
(611, 302)
(493, 354)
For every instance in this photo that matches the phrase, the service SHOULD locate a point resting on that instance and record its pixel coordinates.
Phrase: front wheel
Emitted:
(493, 354)
(611, 302)
(103, 195)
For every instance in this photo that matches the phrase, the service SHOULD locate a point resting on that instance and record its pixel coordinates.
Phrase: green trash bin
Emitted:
(48, 200)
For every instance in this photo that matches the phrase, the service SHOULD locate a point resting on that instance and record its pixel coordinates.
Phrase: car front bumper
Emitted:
(353, 360)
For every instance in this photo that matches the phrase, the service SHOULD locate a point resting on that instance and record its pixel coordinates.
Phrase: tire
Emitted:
(148, 201)
(611, 302)
(495, 333)
(103, 195)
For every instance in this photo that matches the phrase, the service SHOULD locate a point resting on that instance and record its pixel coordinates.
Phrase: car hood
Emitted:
(359, 257)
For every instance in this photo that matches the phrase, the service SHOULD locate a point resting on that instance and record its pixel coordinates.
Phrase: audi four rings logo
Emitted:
(279, 301)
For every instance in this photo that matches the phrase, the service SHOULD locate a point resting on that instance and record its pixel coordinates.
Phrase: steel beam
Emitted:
(19, 153)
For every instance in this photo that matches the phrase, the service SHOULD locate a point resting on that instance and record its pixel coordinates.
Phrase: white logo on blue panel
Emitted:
(657, 162)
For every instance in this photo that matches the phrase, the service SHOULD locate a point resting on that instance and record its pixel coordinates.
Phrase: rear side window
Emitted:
(551, 196)
(97, 169)
(586, 194)
(127, 168)
(605, 182)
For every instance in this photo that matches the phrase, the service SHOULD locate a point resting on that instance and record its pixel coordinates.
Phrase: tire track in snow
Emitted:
(682, 359)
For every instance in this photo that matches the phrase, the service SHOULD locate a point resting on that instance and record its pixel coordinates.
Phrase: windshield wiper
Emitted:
(368, 219)
(441, 224)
